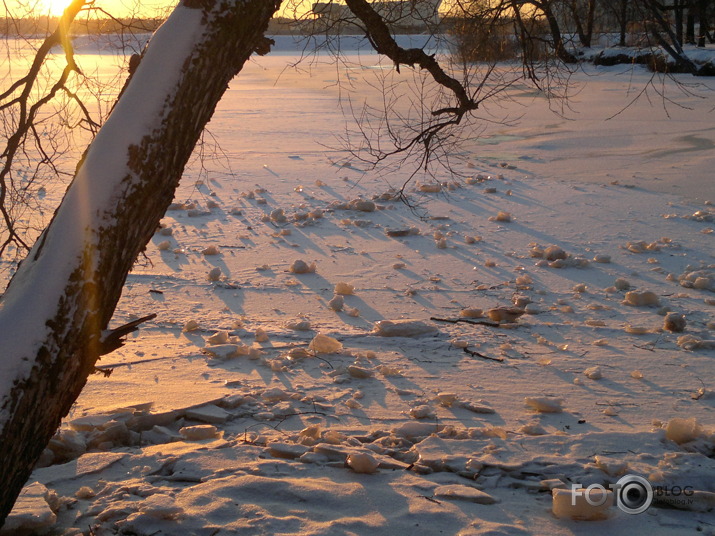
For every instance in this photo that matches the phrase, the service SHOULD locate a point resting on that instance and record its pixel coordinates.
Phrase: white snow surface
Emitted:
(459, 449)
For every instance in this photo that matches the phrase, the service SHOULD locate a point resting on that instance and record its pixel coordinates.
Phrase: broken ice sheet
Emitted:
(404, 328)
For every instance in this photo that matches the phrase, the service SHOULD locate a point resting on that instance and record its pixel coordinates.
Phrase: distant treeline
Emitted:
(43, 25)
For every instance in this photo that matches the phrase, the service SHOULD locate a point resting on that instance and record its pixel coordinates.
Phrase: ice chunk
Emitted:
(278, 216)
(622, 284)
(520, 301)
(690, 342)
(387, 370)
(403, 328)
(422, 411)
(477, 407)
(430, 188)
(361, 462)
(363, 205)
(301, 267)
(464, 493)
(506, 315)
(446, 399)
(32, 512)
(414, 429)
(289, 451)
(533, 429)
(702, 283)
(645, 298)
(674, 322)
(323, 344)
(501, 216)
(226, 351)
(360, 372)
(209, 414)
(553, 253)
(300, 324)
(85, 493)
(610, 466)
(161, 506)
(275, 394)
(337, 303)
(214, 274)
(593, 373)
(298, 353)
(89, 422)
(573, 504)
(472, 239)
(683, 430)
(261, 335)
(199, 432)
(545, 404)
(345, 289)
(191, 325)
(220, 337)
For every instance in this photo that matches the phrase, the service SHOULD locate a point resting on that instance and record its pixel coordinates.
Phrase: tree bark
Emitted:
(573, 6)
(690, 24)
(623, 22)
(590, 17)
(558, 40)
(679, 6)
(64, 293)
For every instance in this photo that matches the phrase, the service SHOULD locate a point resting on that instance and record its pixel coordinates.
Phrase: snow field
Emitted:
(271, 395)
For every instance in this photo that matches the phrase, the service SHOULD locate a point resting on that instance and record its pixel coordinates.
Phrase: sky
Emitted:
(122, 8)
(119, 8)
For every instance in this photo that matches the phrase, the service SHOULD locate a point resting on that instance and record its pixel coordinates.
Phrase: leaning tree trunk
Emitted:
(64, 293)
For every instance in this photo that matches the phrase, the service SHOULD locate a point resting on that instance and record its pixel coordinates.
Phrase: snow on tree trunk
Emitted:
(65, 292)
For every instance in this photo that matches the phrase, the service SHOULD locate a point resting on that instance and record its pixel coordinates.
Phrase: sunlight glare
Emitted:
(54, 8)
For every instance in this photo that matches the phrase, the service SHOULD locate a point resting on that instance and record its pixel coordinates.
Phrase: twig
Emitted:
(467, 321)
(281, 420)
(113, 339)
(477, 354)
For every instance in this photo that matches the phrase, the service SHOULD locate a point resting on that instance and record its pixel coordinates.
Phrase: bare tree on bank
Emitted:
(432, 98)
(53, 107)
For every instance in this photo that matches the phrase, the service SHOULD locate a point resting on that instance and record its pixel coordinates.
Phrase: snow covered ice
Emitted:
(295, 380)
